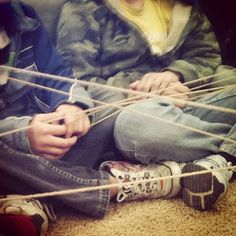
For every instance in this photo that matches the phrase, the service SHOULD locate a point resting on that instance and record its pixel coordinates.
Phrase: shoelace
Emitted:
(134, 189)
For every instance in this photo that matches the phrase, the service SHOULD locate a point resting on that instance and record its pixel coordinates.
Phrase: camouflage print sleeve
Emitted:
(199, 52)
(78, 38)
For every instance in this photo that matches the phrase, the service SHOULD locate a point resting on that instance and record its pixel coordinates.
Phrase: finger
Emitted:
(55, 130)
(51, 157)
(147, 83)
(143, 81)
(178, 90)
(156, 86)
(70, 123)
(75, 124)
(181, 98)
(71, 128)
(169, 91)
(134, 85)
(54, 153)
(55, 122)
(182, 88)
(180, 103)
(168, 77)
(83, 127)
(61, 142)
(49, 117)
(88, 124)
(165, 83)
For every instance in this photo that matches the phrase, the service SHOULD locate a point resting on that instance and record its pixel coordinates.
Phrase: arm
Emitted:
(49, 61)
(79, 39)
(17, 140)
(196, 56)
(75, 122)
(199, 52)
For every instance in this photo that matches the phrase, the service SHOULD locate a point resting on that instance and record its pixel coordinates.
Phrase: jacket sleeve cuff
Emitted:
(186, 70)
(83, 100)
(20, 139)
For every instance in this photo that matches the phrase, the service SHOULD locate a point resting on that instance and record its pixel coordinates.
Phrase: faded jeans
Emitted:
(148, 139)
(25, 174)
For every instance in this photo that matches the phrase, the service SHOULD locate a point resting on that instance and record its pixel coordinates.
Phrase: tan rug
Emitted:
(157, 217)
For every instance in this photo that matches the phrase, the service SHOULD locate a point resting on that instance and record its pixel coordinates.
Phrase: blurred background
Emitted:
(222, 15)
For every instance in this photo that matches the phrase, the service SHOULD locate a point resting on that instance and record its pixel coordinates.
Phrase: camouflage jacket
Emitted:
(104, 47)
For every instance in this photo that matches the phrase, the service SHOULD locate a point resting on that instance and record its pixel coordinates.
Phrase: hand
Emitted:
(75, 119)
(154, 81)
(165, 84)
(179, 91)
(47, 139)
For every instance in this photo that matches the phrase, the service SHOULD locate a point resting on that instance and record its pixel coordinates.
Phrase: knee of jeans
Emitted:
(134, 139)
(134, 122)
(123, 129)
(141, 138)
(125, 134)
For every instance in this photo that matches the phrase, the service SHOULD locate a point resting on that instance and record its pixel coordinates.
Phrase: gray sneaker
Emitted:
(202, 191)
(126, 172)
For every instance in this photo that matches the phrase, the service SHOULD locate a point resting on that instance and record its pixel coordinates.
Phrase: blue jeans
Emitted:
(145, 139)
(23, 173)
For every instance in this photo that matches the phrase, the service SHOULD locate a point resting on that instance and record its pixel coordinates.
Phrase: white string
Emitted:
(194, 104)
(56, 193)
(157, 118)
(89, 83)
(154, 117)
(110, 186)
(204, 91)
(123, 90)
(211, 76)
(214, 82)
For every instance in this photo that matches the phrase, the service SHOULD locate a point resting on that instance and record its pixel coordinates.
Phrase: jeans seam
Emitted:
(103, 199)
(209, 101)
(65, 173)
(226, 148)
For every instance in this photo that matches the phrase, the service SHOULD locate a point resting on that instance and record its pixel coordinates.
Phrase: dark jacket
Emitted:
(30, 49)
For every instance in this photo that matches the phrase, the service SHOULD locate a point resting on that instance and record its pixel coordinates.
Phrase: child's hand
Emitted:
(165, 84)
(155, 81)
(75, 119)
(47, 139)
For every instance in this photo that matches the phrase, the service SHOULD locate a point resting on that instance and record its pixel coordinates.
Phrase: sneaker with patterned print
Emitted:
(126, 172)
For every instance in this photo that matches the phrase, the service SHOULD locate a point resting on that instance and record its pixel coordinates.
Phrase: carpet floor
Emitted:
(153, 217)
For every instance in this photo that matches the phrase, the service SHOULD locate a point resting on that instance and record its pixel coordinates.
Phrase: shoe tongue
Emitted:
(110, 171)
(108, 167)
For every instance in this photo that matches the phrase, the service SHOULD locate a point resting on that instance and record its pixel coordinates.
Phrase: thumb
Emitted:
(49, 117)
(134, 85)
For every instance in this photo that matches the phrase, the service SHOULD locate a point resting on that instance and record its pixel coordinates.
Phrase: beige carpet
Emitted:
(157, 217)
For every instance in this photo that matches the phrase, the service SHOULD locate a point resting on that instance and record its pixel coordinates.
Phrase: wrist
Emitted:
(177, 75)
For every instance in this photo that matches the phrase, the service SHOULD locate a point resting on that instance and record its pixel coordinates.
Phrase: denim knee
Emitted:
(137, 136)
